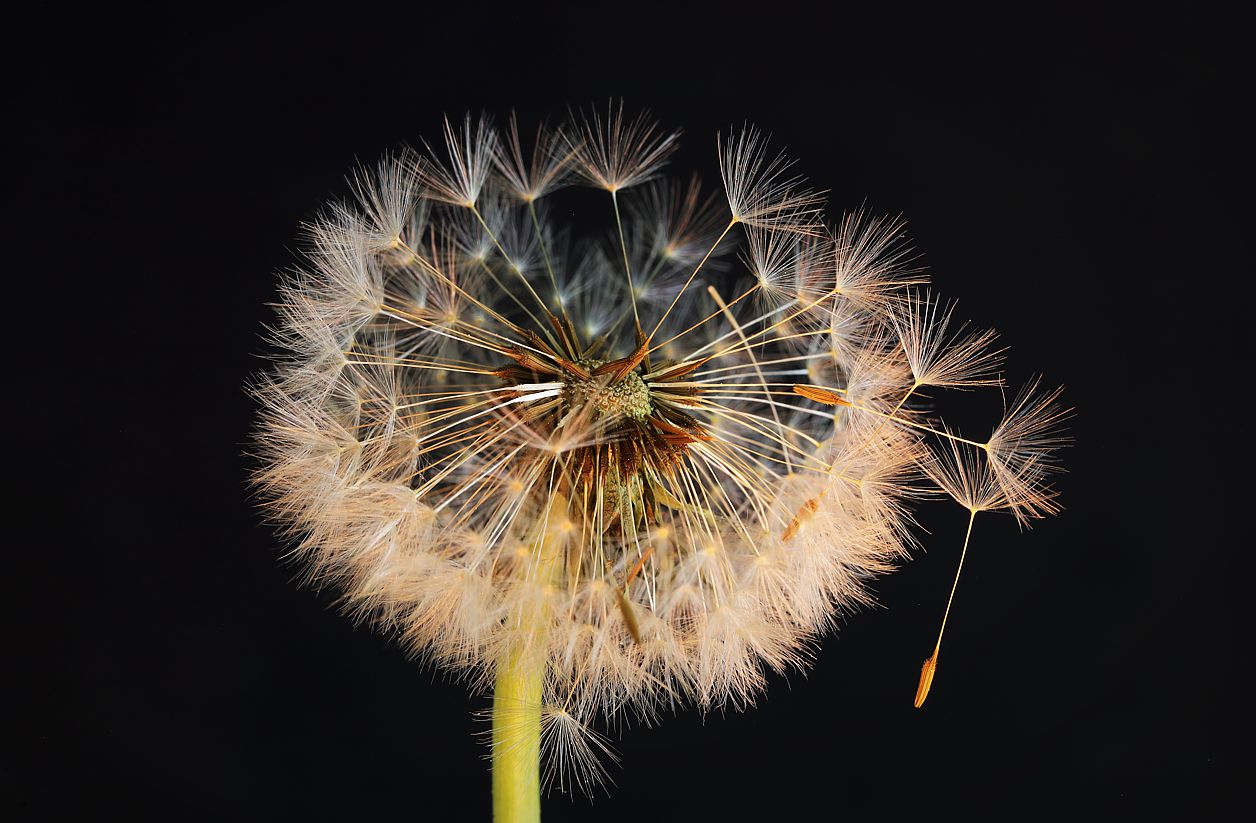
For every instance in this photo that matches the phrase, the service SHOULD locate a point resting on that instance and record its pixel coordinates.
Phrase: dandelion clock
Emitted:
(624, 458)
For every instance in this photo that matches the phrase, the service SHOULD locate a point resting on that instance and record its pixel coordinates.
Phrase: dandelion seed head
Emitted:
(656, 466)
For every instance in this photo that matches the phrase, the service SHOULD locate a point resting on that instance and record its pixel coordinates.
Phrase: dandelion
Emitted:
(620, 473)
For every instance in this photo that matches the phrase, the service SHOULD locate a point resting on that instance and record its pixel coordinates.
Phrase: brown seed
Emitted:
(926, 678)
(630, 619)
(821, 395)
(680, 371)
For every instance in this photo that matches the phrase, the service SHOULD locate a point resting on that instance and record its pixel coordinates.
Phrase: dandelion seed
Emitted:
(546, 171)
(939, 356)
(614, 153)
(574, 752)
(1011, 478)
(787, 266)
(927, 671)
(965, 473)
(468, 160)
(872, 260)
(1023, 451)
(821, 395)
(388, 205)
(554, 465)
(684, 220)
(761, 191)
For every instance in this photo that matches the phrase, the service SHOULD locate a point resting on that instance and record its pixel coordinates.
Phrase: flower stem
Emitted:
(517, 740)
(519, 691)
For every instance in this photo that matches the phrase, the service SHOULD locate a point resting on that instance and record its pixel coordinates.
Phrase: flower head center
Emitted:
(628, 397)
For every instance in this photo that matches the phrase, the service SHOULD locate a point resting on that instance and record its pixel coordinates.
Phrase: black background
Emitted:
(1069, 177)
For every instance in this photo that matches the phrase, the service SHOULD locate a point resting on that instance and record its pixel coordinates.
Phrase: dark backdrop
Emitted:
(1068, 176)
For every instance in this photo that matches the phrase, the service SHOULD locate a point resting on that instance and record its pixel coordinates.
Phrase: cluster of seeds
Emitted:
(646, 465)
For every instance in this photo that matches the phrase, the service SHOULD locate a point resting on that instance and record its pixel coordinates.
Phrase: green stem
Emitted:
(517, 740)
(520, 687)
